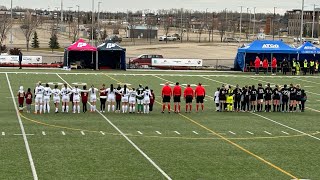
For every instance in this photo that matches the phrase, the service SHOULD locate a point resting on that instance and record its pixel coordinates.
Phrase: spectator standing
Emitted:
(285, 67)
(257, 65)
(311, 67)
(293, 67)
(305, 67)
(317, 67)
(265, 65)
(152, 99)
(20, 59)
(274, 65)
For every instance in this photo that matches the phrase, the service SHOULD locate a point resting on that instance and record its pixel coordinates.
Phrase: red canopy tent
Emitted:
(80, 45)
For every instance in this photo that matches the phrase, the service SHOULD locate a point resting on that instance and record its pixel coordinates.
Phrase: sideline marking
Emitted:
(195, 132)
(140, 132)
(285, 132)
(158, 132)
(250, 132)
(286, 126)
(43, 133)
(33, 168)
(232, 132)
(102, 133)
(129, 140)
(232, 143)
(22, 134)
(83, 133)
(63, 133)
(267, 132)
(177, 132)
(313, 109)
(3, 133)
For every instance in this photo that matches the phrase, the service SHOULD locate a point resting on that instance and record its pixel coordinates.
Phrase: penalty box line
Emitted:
(129, 140)
(33, 168)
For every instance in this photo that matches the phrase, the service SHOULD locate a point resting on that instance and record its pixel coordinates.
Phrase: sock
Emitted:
(251, 107)
(217, 108)
(122, 108)
(163, 107)
(186, 107)
(41, 108)
(175, 108)
(36, 108)
(74, 108)
(130, 108)
(56, 109)
(179, 107)
(299, 106)
(258, 107)
(147, 108)
(63, 107)
(169, 107)
(197, 107)
(133, 109)
(48, 108)
(78, 108)
(190, 107)
(94, 108)
(202, 107)
(295, 108)
(67, 108)
(144, 109)
(108, 108)
(112, 108)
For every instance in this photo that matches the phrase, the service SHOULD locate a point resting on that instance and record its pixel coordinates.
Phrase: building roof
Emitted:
(141, 27)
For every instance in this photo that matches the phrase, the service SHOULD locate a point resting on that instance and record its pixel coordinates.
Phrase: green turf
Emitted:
(232, 153)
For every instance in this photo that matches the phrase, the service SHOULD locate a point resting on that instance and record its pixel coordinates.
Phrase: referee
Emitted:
(177, 97)
(200, 93)
(166, 97)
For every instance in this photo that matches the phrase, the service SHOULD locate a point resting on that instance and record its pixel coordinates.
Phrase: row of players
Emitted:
(249, 98)
(143, 97)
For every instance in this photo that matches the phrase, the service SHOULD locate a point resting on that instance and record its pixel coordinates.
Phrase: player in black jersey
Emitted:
(246, 98)
(303, 100)
(285, 98)
(237, 98)
(276, 99)
(293, 102)
(267, 98)
(260, 95)
(298, 96)
(253, 98)
(223, 98)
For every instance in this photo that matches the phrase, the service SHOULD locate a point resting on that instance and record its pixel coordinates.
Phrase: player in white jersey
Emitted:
(124, 98)
(146, 99)
(39, 90)
(93, 98)
(216, 99)
(76, 99)
(46, 98)
(65, 92)
(111, 97)
(56, 97)
(132, 100)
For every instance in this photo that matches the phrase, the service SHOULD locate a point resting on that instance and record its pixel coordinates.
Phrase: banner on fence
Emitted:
(25, 59)
(176, 62)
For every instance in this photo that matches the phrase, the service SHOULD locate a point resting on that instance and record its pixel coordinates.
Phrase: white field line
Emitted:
(284, 132)
(129, 140)
(140, 132)
(177, 132)
(43, 133)
(313, 109)
(158, 132)
(63, 133)
(33, 168)
(23, 134)
(232, 132)
(102, 133)
(286, 126)
(83, 133)
(307, 81)
(195, 132)
(3, 133)
(267, 132)
(250, 132)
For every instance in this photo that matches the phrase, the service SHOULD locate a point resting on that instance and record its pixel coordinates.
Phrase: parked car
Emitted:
(177, 36)
(315, 41)
(228, 39)
(298, 39)
(143, 60)
(167, 38)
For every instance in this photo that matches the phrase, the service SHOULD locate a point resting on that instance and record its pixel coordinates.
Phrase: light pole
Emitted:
(92, 23)
(313, 20)
(274, 15)
(61, 11)
(301, 27)
(240, 24)
(11, 36)
(226, 19)
(99, 19)
(254, 20)
(78, 32)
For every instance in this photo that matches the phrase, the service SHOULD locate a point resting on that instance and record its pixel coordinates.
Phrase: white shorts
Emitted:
(139, 101)
(46, 99)
(93, 99)
(132, 100)
(56, 99)
(76, 100)
(111, 99)
(125, 99)
(217, 101)
(146, 101)
(65, 98)
(39, 99)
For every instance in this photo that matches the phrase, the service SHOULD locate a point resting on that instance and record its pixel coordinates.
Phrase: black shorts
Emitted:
(200, 99)
(293, 98)
(260, 97)
(166, 99)
(253, 99)
(222, 98)
(285, 100)
(276, 97)
(189, 99)
(177, 99)
(267, 98)
(298, 98)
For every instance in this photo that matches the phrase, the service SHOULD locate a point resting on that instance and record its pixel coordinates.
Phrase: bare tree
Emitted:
(5, 26)
(166, 25)
(74, 31)
(29, 25)
(222, 30)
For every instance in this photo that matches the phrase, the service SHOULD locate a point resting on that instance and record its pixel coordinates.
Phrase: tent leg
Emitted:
(244, 62)
(68, 59)
(97, 61)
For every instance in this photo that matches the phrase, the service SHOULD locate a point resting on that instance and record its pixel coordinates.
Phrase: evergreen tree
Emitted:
(53, 43)
(35, 41)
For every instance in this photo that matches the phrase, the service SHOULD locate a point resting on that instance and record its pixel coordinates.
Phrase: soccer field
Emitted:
(204, 145)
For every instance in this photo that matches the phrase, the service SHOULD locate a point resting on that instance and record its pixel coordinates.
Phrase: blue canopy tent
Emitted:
(308, 51)
(263, 49)
(111, 56)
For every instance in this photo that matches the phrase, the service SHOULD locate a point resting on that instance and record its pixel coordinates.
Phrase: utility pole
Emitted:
(11, 36)
(181, 28)
(99, 20)
(313, 19)
(301, 27)
(254, 20)
(274, 16)
(248, 28)
(92, 22)
(61, 11)
(78, 32)
(240, 23)
(226, 19)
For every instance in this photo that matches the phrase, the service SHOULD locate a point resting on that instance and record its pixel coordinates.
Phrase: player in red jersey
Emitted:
(177, 97)
(200, 94)
(21, 94)
(28, 100)
(188, 96)
(84, 98)
(166, 97)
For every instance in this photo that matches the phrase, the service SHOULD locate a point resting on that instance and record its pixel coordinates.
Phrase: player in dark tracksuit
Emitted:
(253, 98)
(276, 99)
(285, 98)
(293, 102)
(223, 98)
(298, 96)
(260, 97)
(303, 100)
(267, 98)
(237, 98)
(246, 99)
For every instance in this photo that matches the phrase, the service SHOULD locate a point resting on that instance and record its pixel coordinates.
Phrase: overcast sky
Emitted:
(212, 5)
